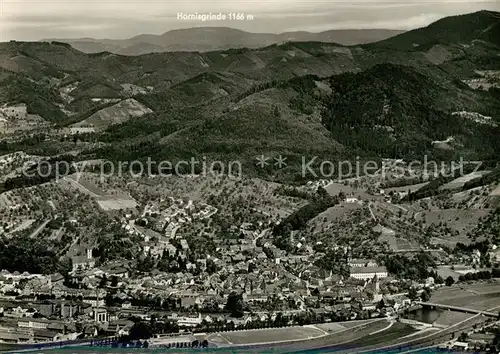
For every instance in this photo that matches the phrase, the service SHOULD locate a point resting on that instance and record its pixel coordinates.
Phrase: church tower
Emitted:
(377, 296)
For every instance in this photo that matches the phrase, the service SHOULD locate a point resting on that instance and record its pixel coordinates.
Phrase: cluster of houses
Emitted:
(39, 303)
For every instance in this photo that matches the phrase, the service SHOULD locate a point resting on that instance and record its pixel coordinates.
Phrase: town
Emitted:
(144, 260)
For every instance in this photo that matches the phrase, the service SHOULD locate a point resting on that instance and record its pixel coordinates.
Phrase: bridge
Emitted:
(457, 308)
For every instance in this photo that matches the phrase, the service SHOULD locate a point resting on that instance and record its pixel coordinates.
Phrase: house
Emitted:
(57, 278)
(119, 272)
(368, 307)
(184, 245)
(35, 323)
(15, 336)
(119, 327)
(367, 273)
(90, 331)
(255, 297)
(238, 258)
(126, 305)
(17, 312)
(94, 301)
(44, 335)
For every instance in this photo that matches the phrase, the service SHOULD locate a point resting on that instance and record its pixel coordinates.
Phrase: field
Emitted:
(396, 244)
(331, 214)
(460, 182)
(446, 271)
(266, 335)
(475, 198)
(404, 189)
(109, 200)
(449, 318)
(496, 191)
(116, 114)
(461, 220)
(82, 186)
(395, 332)
(117, 204)
(480, 296)
(404, 244)
(335, 188)
(338, 326)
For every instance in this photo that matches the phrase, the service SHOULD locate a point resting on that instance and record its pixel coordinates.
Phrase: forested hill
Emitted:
(462, 29)
(395, 110)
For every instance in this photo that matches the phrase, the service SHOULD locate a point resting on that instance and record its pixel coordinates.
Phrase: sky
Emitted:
(42, 19)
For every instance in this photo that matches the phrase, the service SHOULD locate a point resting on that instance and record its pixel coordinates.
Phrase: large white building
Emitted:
(187, 321)
(367, 273)
(356, 262)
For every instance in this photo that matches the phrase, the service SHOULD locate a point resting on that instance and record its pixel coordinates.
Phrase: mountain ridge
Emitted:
(203, 39)
(452, 29)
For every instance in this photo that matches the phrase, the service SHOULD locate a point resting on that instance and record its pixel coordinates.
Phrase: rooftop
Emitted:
(361, 270)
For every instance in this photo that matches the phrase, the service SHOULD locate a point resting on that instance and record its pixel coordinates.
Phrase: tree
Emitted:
(449, 281)
(114, 281)
(412, 294)
(426, 295)
(65, 266)
(104, 281)
(141, 330)
(381, 304)
(211, 266)
(276, 111)
(251, 267)
(235, 304)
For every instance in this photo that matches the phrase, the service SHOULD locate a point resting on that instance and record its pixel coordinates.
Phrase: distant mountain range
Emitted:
(203, 39)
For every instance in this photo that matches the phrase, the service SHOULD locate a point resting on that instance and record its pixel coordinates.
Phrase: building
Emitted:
(367, 273)
(362, 263)
(101, 315)
(83, 261)
(35, 323)
(186, 321)
(69, 309)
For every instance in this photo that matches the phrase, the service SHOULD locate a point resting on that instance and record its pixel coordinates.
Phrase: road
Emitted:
(425, 341)
(431, 339)
(262, 234)
(457, 308)
(39, 229)
(80, 187)
(371, 211)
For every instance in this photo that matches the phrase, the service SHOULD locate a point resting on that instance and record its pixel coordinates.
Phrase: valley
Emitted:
(286, 186)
